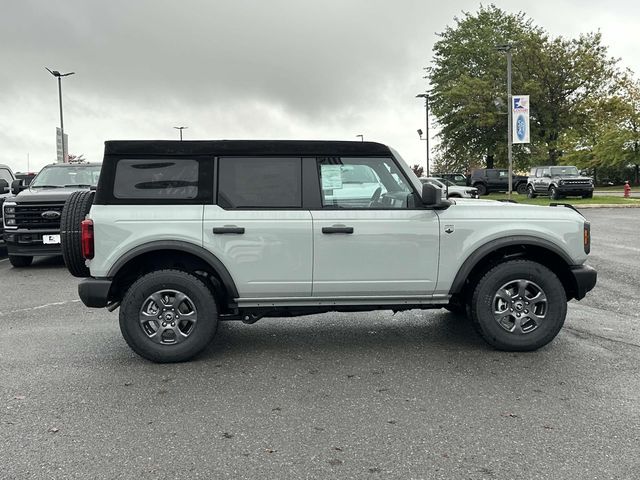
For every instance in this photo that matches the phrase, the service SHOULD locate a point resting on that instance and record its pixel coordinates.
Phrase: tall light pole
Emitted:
(506, 48)
(180, 128)
(59, 76)
(426, 105)
(361, 137)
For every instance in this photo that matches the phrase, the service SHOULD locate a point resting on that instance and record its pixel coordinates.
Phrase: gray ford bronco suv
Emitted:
(182, 235)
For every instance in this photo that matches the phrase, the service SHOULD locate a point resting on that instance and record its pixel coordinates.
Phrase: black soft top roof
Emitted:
(254, 148)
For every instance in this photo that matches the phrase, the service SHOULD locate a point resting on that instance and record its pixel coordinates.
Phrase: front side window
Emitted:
(5, 175)
(362, 183)
(156, 179)
(260, 182)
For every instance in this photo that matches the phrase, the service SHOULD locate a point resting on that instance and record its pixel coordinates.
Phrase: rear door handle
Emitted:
(228, 229)
(337, 229)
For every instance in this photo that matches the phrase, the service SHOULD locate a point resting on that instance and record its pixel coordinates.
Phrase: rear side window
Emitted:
(260, 182)
(156, 179)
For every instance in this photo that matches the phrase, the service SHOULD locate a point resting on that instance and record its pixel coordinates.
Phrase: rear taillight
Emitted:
(587, 237)
(86, 238)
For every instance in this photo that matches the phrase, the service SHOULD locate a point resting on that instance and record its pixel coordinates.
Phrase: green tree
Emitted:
(468, 77)
(619, 144)
(567, 80)
(563, 78)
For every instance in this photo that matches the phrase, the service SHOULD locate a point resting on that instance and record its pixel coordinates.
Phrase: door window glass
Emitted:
(362, 183)
(5, 175)
(260, 182)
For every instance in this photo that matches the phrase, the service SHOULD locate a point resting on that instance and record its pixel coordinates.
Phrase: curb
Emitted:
(604, 205)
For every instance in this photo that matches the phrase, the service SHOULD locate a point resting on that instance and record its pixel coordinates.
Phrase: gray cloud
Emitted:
(237, 69)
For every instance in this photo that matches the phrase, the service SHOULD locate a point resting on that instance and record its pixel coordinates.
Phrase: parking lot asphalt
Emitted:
(367, 395)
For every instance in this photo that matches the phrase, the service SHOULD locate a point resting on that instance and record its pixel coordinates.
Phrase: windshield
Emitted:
(67, 176)
(564, 171)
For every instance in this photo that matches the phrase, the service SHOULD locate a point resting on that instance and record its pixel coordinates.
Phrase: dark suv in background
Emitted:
(32, 217)
(488, 180)
(558, 182)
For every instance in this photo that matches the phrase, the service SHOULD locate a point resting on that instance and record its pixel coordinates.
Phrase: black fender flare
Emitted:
(481, 252)
(196, 250)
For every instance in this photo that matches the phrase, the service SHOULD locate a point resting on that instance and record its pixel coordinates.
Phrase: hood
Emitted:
(33, 195)
(469, 207)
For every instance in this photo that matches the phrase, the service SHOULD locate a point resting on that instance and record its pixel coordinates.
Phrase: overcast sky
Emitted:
(241, 69)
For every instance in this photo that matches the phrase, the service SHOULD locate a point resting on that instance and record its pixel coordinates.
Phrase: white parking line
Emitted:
(38, 307)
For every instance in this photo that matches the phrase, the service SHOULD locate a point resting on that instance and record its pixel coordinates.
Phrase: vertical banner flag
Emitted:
(520, 127)
(60, 158)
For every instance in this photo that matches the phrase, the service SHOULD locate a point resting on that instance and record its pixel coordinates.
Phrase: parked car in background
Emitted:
(459, 179)
(558, 182)
(450, 190)
(488, 180)
(6, 179)
(26, 177)
(32, 216)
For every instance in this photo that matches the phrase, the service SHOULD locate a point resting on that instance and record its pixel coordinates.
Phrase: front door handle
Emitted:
(337, 229)
(228, 229)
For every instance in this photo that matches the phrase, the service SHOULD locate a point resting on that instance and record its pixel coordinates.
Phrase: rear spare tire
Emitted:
(74, 212)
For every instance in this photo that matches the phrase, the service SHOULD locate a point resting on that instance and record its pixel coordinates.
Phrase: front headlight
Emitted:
(9, 215)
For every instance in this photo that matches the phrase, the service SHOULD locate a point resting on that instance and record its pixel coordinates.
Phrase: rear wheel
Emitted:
(20, 261)
(74, 212)
(521, 189)
(482, 189)
(519, 305)
(168, 316)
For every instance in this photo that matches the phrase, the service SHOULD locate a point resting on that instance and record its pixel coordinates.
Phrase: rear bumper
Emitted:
(94, 292)
(585, 278)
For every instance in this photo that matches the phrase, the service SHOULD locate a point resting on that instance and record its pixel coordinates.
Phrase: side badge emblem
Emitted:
(448, 228)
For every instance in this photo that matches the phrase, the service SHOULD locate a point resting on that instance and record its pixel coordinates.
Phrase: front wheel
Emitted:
(588, 195)
(20, 261)
(168, 316)
(531, 192)
(519, 305)
(553, 193)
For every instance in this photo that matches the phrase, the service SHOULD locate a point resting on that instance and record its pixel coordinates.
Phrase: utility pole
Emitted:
(59, 76)
(426, 107)
(180, 128)
(507, 50)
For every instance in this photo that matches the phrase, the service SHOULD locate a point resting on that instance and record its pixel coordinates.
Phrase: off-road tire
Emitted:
(74, 212)
(20, 261)
(531, 192)
(483, 306)
(482, 189)
(553, 193)
(588, 195)
(138, 295)
(521, 188)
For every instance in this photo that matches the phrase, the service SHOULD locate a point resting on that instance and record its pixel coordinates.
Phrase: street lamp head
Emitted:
(420, 132)
(422, 95)
(56, 73)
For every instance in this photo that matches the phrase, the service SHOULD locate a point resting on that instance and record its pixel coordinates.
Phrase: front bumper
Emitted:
(575, 189)
(29, 242)
(585, 278)
(94, 292)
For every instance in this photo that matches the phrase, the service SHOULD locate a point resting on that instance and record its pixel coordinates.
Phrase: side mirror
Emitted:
(16, 187)
(4, 186)
(431, 195)
(583, 173)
